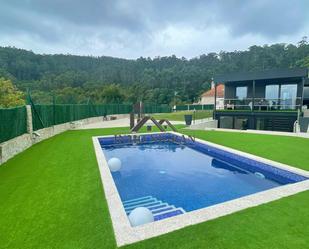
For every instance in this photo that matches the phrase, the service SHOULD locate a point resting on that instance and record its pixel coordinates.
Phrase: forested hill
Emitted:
(160, 80)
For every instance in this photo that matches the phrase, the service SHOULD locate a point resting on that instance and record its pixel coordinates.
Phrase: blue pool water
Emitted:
(185, 176)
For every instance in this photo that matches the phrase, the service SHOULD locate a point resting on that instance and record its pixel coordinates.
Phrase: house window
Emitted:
(241, 92)
(272, 96)
(288, 96)
(226, 122)
(272, 92)
(241, 123)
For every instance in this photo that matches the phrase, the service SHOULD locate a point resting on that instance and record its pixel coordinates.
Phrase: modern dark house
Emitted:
(268, 100)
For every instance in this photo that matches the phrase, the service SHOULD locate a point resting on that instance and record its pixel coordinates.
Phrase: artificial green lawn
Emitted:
(51, 197)
(293, 151)
(179, 116)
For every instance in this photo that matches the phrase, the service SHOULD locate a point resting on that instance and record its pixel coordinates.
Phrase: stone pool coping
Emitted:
(125, 234)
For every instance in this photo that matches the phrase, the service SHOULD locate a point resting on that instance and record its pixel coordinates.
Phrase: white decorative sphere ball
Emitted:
(114, 164)
(140, 216)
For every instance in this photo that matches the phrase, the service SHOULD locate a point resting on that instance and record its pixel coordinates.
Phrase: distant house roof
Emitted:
(262, 75)
(211, 92)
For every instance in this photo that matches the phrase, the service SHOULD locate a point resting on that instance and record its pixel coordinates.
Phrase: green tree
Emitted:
(304, 62)
(112, 94)
(9, 95)
(74, 79)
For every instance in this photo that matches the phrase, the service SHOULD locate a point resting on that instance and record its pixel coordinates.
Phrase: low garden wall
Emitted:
(18, 144)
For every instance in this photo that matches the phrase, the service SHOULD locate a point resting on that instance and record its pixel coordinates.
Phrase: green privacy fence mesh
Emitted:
(108, 109)
(194, 107)
(13, 123)
(153, 108)
(47, 115)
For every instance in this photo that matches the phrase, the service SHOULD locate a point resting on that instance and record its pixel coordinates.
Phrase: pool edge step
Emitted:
(160, 210)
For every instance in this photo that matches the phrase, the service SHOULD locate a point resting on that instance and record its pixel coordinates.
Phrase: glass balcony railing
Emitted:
(261, 104)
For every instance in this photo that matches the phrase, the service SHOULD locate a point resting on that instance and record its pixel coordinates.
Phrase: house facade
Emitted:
(268, 100)
(208, 97)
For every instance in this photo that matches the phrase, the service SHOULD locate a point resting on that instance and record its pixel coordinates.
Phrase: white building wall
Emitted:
(211, 101)
(207, 100)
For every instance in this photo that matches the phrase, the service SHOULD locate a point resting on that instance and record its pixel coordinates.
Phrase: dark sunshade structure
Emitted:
(265, 100)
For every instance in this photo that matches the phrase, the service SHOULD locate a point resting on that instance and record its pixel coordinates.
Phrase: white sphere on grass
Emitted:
(114, 164)
(140, 216)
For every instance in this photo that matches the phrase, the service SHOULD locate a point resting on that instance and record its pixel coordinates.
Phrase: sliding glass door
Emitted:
(283, 97)
(288, 96)
(272, 96)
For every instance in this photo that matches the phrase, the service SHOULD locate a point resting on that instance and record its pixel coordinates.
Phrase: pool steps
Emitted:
(160, 210)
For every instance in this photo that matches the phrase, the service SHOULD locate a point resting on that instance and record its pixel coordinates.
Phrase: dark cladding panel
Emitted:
(262, 75)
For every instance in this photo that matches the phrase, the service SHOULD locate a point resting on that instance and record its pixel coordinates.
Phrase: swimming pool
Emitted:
(173, 175)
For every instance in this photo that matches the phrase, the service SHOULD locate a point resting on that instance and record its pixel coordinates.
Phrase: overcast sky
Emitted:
(134, 28)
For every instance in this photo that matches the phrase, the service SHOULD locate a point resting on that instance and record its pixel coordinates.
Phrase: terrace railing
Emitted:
(262, 104)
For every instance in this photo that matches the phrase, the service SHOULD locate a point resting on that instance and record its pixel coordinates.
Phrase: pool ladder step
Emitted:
(160, 210)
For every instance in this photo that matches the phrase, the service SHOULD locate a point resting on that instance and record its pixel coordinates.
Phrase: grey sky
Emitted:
(134, 28)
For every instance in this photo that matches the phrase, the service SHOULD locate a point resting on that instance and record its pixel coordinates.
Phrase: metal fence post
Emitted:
(54, 109)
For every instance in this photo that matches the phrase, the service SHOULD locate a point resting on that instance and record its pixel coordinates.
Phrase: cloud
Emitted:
(267, 18)
(134, 28)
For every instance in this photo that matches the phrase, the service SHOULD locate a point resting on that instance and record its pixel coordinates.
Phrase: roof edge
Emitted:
(262, 75)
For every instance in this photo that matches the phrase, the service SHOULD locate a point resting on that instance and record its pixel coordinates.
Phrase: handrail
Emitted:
(267, 99)
(275, 103)
(296, 126)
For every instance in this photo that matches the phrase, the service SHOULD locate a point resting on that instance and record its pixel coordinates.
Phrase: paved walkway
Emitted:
(122, 122)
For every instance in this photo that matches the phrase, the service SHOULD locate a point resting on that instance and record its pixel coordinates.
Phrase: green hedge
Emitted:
(13, 123)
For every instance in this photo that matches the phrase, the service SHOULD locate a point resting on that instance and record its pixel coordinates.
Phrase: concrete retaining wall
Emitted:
(14, 146)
